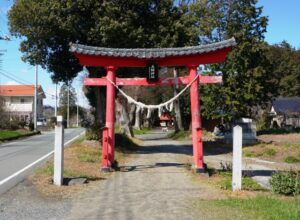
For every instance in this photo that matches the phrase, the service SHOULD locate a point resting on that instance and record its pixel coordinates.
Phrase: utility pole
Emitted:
(55, 99)
(35, 98)
(68, 109)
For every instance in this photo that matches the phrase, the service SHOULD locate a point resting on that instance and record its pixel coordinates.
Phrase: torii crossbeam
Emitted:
(112, 58)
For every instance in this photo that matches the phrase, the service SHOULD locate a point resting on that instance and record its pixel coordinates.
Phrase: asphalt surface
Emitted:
(16, 155)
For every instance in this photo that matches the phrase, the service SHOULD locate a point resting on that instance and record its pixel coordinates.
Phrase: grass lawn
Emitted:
(262, 207)
(253, 202)
(8, 134)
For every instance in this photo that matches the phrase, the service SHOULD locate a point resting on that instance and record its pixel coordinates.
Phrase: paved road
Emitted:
(16, 155)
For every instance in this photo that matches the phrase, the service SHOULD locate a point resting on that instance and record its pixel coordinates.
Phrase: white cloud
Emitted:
(12, 83)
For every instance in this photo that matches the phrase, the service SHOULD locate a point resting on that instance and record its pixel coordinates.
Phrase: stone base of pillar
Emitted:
(105, 170)
(202, 171)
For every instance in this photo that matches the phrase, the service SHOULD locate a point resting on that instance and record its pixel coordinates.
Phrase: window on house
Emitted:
(22, 100)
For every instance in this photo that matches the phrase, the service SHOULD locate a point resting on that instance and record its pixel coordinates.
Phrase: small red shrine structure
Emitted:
(112, 58)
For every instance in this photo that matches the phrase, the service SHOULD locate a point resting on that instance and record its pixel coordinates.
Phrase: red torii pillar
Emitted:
(196, 120)
(110, 119)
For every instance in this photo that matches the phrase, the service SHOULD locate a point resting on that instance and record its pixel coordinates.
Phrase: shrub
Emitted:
(14, 125)
(31, 126)
(94, 132)
(22, 123)
(286, 183)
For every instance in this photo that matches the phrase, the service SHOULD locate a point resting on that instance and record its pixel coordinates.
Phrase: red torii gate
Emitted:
(112, 58)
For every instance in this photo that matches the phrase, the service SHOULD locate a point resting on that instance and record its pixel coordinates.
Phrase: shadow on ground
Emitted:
(146, 167)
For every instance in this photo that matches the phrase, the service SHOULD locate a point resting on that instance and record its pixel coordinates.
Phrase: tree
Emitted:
(63, 100)
(286, 68)
(47, 28)
(247, 73)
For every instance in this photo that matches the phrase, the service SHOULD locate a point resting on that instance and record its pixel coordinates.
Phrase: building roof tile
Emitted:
(285, 105)
(150, 53)
(19, 90)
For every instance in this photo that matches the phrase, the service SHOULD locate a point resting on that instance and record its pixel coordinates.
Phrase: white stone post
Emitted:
(237, 158)
(59, 152)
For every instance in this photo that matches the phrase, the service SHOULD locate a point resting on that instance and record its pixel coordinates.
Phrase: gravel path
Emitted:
(23, 202)
(154, 184)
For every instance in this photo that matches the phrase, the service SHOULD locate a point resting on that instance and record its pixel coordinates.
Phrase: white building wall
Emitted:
(19, 104)
(23, 105)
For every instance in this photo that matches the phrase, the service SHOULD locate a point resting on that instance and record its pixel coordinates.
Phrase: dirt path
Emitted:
(154, 184)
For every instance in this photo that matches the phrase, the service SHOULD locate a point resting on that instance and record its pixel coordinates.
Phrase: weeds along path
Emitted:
(153, 184)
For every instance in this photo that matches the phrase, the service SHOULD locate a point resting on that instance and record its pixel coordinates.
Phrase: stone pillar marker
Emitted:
(237, 158)
(59, 152)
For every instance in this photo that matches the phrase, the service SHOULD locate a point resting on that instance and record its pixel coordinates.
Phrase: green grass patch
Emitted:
(48, 170)
(10, 135)
(180, 135)
(76, 174)
(78, 140)
(291, 159)
(117, 129)
(270, 152)
(247, 182)
(253, 154)
(260, 208)
(141, 131)
(88, 154)
(292, 145)
(261, 151)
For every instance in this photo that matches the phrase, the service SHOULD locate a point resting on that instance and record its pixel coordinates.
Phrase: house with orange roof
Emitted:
(19, 101)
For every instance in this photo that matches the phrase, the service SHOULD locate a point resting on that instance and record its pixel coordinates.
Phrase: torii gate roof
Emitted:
(139, 57)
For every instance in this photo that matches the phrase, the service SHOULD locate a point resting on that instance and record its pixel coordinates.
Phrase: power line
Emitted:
(18, 81)
(17, 77)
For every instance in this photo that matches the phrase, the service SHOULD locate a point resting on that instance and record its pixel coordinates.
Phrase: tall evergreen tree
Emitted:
(65, 91)
(286, 68)
(247, 74)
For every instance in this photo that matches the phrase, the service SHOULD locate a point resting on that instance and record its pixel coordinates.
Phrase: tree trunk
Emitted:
(131, 114)
(148, 119)
(123, 118)
(137, 124)
(178, 119)
(100, 103)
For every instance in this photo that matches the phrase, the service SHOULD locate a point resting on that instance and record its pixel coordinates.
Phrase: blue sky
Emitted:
(284, 24)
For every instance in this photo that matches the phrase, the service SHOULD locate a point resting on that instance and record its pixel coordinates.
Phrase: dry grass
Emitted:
(74, 167)
(278, 152)
(81, 159)
(281, 138)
